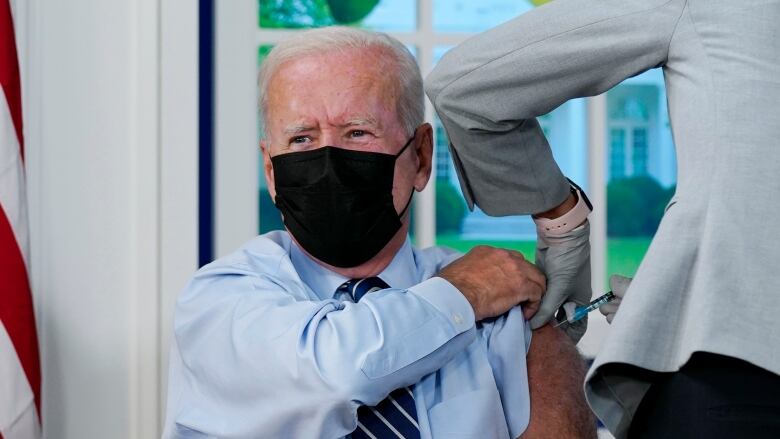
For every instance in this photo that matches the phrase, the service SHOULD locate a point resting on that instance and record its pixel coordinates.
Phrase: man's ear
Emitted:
(268, 168)
(423, 146)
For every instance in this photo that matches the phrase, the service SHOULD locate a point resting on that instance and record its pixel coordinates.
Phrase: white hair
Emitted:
(410, 105)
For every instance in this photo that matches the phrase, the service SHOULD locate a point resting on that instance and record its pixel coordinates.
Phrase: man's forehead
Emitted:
(340, 89)
(340, 67)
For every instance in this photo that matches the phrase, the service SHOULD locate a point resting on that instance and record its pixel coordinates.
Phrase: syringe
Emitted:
(582, 311)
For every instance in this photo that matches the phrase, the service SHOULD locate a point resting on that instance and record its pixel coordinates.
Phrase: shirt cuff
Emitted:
(448, 300)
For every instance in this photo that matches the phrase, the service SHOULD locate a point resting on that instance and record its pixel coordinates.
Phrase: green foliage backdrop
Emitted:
(313, 13)
(450, 208)
(270, 218)
(635, 206)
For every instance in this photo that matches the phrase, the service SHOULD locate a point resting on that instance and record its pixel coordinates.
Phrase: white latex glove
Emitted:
(565, 260)
(618, 284)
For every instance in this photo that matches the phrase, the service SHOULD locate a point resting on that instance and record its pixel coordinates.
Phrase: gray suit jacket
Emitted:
(710, 280)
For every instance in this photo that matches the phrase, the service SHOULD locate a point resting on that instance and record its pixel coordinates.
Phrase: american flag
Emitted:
(20, 376)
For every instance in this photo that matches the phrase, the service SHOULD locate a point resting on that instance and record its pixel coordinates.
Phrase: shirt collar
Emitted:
(400, 273)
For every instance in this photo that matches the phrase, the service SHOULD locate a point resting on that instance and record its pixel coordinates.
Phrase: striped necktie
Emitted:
(396, 415)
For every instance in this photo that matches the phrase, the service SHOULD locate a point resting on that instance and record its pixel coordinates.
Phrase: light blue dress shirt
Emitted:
(263, 348)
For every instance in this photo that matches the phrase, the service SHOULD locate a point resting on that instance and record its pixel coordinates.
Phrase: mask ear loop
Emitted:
(406, 145)
(409, 202)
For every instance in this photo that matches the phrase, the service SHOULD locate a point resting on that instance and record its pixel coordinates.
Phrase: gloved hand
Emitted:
(565, 260)
(618, 284)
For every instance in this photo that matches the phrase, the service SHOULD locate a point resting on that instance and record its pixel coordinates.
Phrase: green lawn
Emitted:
(623, 254)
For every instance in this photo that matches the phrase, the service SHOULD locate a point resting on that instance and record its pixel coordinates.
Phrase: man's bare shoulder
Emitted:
(556, 373)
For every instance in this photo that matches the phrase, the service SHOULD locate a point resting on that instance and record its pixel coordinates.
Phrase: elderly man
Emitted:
(338, 327)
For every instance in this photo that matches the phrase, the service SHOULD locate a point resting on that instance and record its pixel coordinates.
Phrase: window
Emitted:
(468, 16)
(639, 151)
(385, 15)
(544, 122)
(268, 216)
(617, 153)
(442, 153)
(642, 168)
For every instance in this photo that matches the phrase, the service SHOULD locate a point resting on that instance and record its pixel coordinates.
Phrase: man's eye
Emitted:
(300, 139)
(357, 133)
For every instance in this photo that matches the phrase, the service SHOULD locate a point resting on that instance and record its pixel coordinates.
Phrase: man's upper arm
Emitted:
(556, 373)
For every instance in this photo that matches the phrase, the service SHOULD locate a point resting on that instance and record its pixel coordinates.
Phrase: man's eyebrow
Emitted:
(362, 121)
(297, 129)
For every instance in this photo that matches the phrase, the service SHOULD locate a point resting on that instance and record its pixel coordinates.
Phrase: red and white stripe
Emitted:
(20, 377)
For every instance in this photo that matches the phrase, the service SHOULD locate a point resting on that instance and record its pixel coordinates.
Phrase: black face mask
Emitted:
(338, 203)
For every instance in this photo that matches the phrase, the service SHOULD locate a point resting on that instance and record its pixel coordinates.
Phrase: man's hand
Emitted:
(565, 260)
(618, 284)
(494, 280)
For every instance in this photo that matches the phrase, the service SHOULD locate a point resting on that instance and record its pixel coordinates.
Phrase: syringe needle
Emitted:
(582, 311)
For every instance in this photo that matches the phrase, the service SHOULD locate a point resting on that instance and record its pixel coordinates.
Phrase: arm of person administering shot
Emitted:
(489, 90)
(563, 254)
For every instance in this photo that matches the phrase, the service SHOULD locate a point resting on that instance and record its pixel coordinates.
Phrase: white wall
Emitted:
(110, 98)
(237, 149)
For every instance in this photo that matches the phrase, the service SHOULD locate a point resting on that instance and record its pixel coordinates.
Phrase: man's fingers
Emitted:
(530, 270)
(534, 293)
(494, 280)
(532, 284)
(530, 308)
(535, 275)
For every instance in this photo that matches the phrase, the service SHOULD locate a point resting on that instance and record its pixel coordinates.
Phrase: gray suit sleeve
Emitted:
(489, 90)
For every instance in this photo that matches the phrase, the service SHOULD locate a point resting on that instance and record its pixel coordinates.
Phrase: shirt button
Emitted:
(457, 318)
